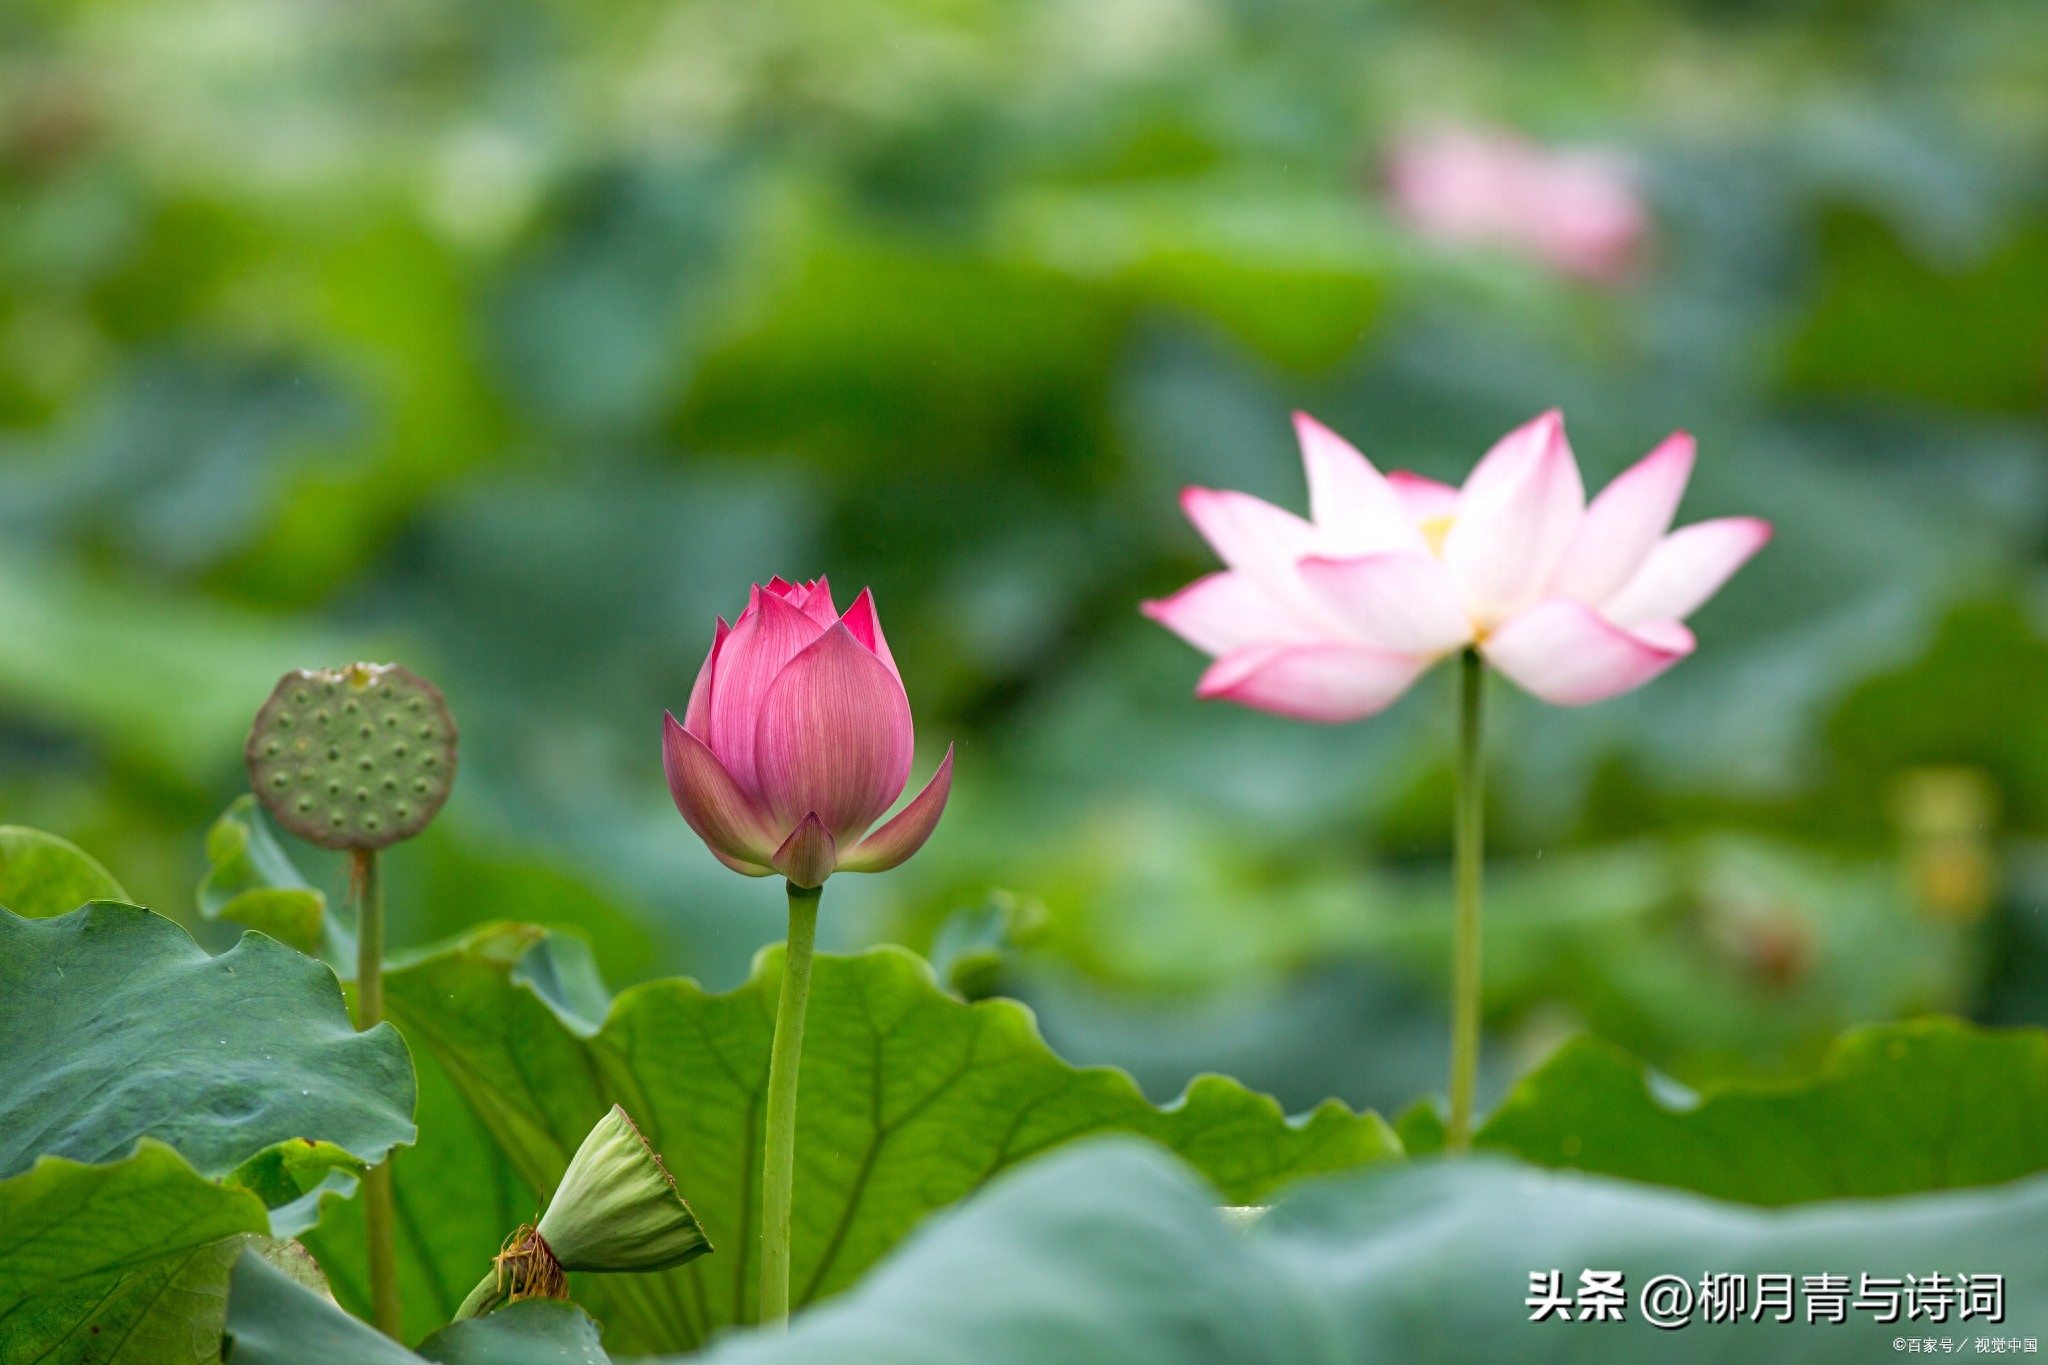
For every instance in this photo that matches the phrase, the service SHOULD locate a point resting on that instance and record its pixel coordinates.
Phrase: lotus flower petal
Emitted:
(1685, 569)
(834, 737)
(1575, 603)
(724, 816)
(1424, 500)
(906, 831)
(697, 715)
(1319, 682)
(808, 855)
(1516, 514)
(1625, 522)
(1404, 600)
(1574, 210)
(1226, 611)
(769, 633)
(866, 624)
(1351, 503)
(815, 600)
(1568, 654)
(1257, 539)
(741, 865)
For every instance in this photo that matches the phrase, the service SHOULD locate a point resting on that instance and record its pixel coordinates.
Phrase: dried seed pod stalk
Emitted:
(353, 758)
(617, 1209)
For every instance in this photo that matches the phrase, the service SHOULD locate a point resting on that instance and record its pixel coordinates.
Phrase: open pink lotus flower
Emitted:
(1572, 209)
(1332, 619)
(796, 739)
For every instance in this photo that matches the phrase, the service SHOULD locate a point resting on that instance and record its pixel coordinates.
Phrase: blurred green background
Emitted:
(512, 340)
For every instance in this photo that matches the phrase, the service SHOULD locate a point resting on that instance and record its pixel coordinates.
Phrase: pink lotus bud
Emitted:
(1330, 619)
(796, 739)
(1574, 210)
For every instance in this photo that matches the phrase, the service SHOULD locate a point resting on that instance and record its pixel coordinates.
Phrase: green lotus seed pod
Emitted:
(617, 1209)
(355, 757)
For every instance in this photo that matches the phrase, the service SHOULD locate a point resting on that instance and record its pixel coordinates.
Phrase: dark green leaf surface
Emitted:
(124, 1264)
(910, 1100)
(250, 880)
(42, 875)
(530, 1332)
(1112, 1254)
(273, 1321)
(1926, 1105)
(119, 1026)
(123, 1036)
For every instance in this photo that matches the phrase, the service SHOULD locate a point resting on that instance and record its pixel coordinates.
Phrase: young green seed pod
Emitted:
(617, 1209)
(353, 758)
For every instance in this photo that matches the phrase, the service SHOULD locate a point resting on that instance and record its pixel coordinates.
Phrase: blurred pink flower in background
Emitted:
(1574, 210)
(796, 739)
(1331, 619)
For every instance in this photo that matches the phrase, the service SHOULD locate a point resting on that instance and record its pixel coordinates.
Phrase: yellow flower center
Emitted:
(1433, 532)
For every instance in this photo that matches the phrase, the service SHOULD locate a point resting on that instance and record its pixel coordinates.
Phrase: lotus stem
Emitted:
(1468, 853)
(778, 1162)
(366, 878)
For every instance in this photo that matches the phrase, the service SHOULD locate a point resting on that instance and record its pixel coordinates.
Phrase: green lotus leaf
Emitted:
(252, 881)
(124, 1263)
(128, 1046)
(119, 1026)
(1926, 1105)
(274, 1321)
(530, 1332)
(1111, 1252)
(910, 1100)
(296, 1178)
(42, 875)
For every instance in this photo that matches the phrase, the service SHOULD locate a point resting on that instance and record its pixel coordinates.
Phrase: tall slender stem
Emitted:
(380, 1215)
(1468, 840)
(778, 1162)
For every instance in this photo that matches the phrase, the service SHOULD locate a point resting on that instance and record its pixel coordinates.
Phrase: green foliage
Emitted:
(446, 877)
(136, 1068)
(531, 1332)
(294, 1179)
(42, 875)
(1889, 321)
(1111, 1253)
(165, 683)
(250, 880)
(911, 1100)
(1975, 696)
(1299, 277)
(124, 1263)
(1928, 1105)
(247, 1049)
(272, 1321)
